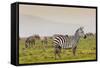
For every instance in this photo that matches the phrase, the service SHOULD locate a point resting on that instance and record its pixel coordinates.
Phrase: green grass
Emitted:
(86, 50)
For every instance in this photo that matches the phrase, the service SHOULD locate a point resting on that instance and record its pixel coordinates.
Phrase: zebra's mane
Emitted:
(77, 31)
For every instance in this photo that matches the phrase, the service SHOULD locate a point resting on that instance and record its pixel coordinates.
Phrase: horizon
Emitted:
(51, 35)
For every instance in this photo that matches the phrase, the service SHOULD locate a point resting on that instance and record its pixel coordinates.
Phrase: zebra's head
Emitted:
(81, 32)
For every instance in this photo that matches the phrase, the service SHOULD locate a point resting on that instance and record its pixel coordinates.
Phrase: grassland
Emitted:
(86, 50)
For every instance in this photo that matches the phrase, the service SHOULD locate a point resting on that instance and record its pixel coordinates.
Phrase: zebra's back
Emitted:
(62, 41)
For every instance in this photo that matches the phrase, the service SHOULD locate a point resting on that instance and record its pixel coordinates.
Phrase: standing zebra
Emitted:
(61, 41)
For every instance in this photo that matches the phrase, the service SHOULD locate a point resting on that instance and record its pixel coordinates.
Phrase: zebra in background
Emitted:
(90, 34)
(44, 40)
(31, 40)
(61, 41)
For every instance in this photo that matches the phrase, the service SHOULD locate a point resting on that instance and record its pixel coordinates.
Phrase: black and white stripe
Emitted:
(61, 40)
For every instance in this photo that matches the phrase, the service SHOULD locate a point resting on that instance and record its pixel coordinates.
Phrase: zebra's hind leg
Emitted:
(32, 44)
(74, 50)
(57, 52)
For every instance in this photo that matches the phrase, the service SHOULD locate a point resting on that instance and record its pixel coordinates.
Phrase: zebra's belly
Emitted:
(66, 46)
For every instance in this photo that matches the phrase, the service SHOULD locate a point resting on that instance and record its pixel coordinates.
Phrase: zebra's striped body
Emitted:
(61, 40)
(29, 42)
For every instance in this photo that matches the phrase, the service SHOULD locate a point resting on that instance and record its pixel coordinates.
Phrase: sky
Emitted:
(48, 20)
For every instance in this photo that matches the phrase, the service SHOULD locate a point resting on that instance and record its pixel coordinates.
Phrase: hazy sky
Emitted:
(48, 20)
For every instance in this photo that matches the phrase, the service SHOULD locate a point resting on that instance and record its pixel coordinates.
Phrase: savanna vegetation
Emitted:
(39, 53)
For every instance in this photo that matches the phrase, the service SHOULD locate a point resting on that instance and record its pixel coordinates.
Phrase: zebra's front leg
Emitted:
(32, 44)
(26, 45)
(74, 50)
(29, 45)
(59, 55)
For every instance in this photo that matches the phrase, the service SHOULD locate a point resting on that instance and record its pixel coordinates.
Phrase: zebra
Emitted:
(44, 41)
(90, 34)
(31, 40)
(62, 41)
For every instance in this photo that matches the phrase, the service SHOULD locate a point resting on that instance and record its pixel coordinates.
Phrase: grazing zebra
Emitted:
(37, 37)
(44, 41)
(30, 41)
(61, 41)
